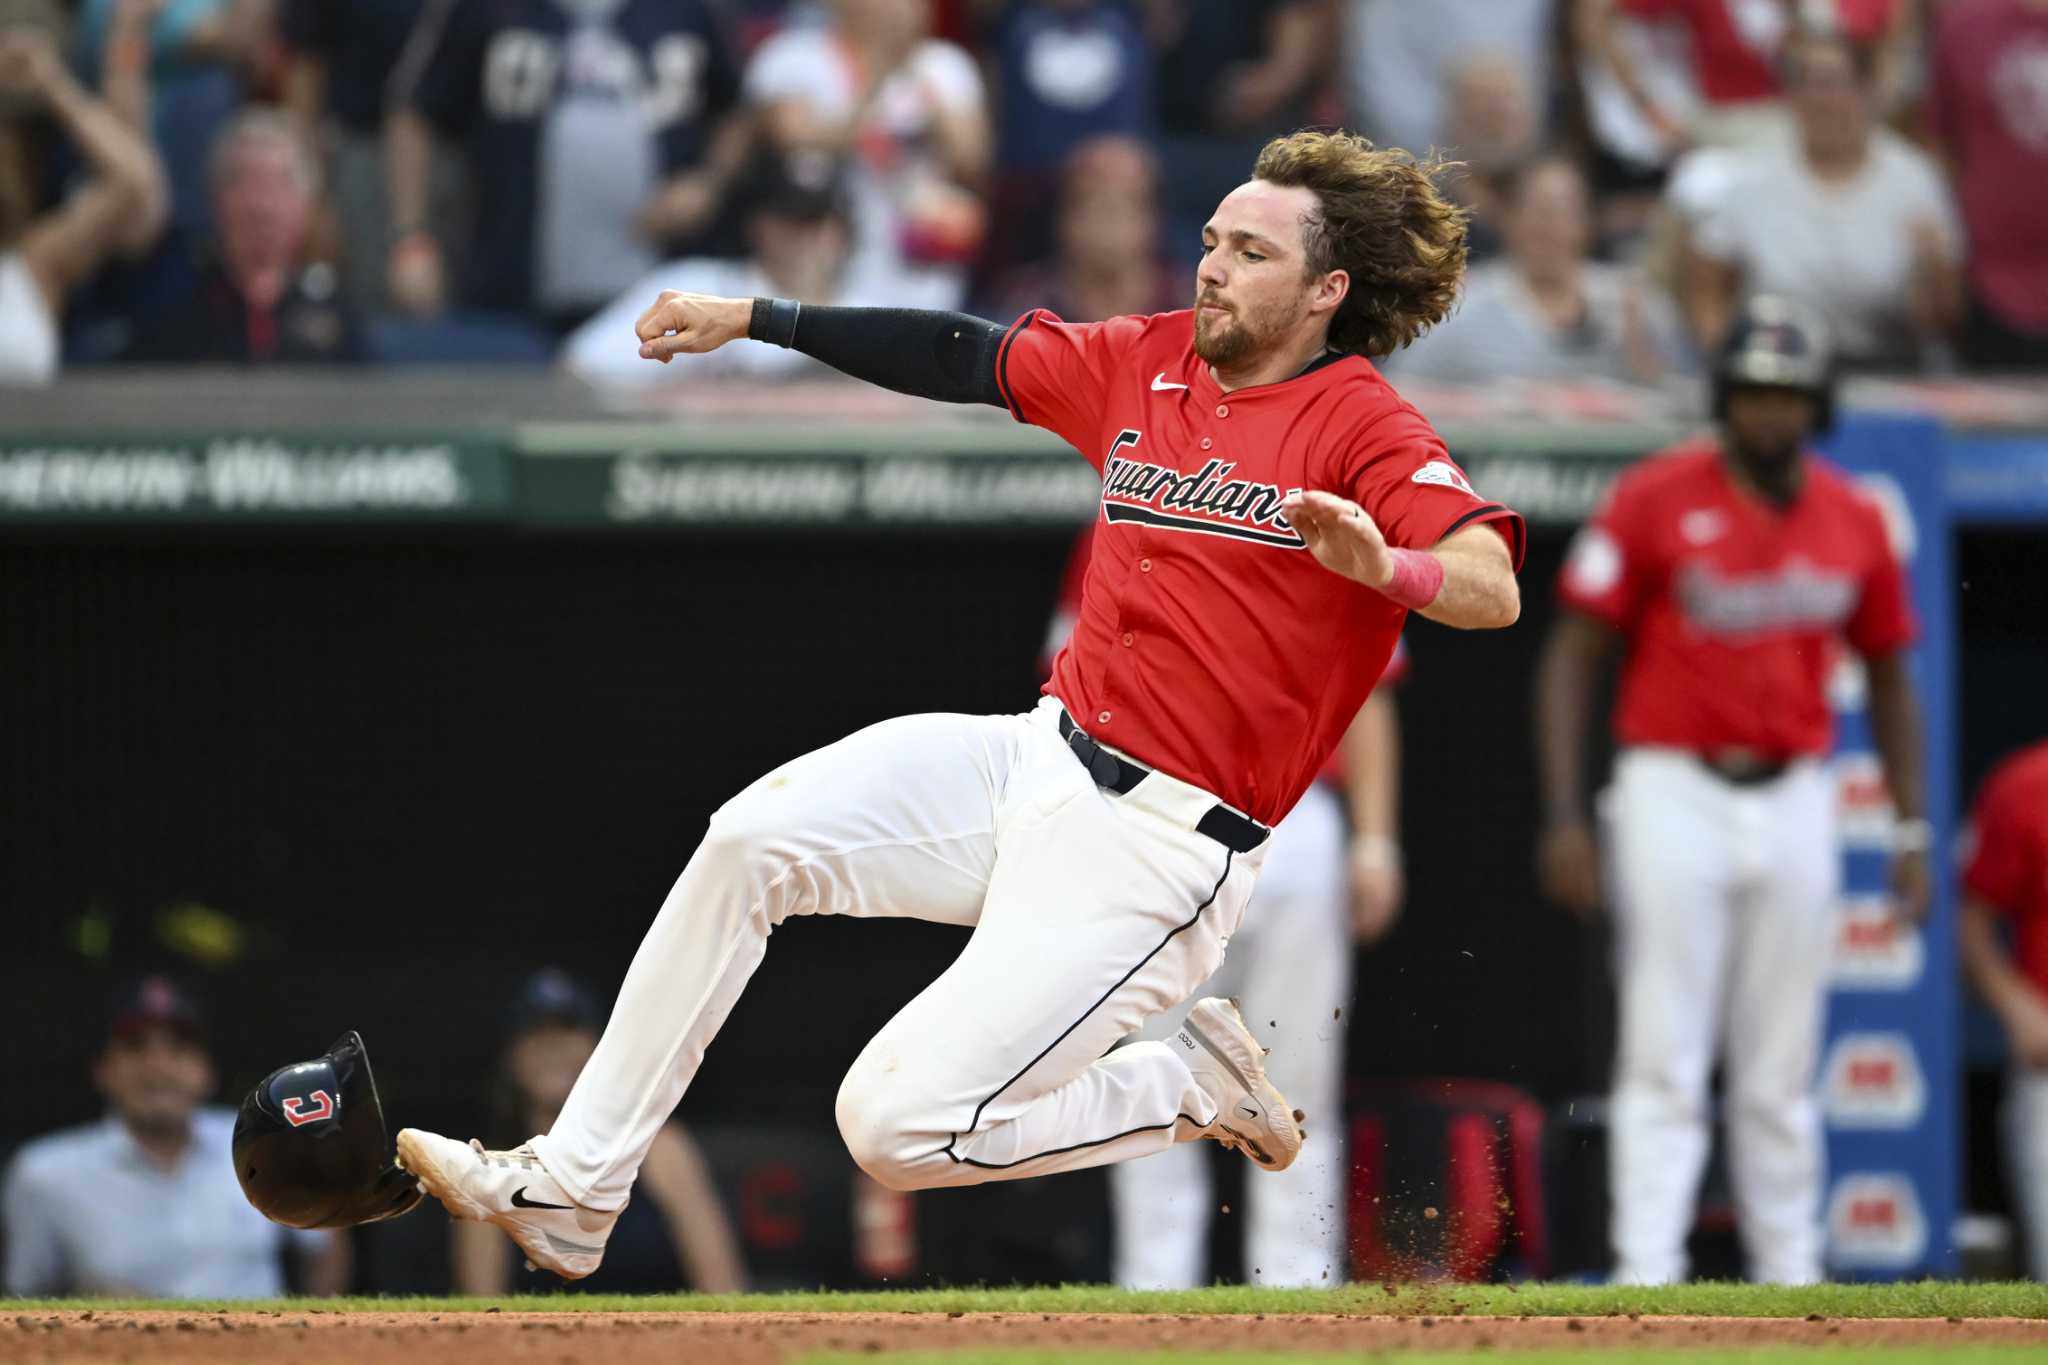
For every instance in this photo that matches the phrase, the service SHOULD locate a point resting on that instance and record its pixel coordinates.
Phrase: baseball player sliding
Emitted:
(1729, 571)
(1271, 512)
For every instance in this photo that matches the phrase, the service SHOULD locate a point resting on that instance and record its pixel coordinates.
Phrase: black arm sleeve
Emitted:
(947, 356)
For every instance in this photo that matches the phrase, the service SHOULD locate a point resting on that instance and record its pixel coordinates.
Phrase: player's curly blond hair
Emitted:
(1383, 220)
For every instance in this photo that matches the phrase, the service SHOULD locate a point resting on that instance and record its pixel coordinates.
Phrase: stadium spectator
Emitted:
(909, 109)
(1402, 63)
(1492, 130)
(1634, 136)
(1068, 70)
(145, 1202)
(800, 234)
(677, 1238)
(599, 134)
(1108, 262)
(203, 55)
(1231, 73)
(258, 302)
(338, 56)
(1989, 107)
(1065, 71)
(1847, 217)
(45, 258)
(1736, 49)
(1549, 312)
(2005, 877)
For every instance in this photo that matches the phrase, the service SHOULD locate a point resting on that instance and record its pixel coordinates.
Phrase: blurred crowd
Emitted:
(508, 181)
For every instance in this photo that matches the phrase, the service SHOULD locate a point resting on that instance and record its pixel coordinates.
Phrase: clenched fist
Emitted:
(691, 324)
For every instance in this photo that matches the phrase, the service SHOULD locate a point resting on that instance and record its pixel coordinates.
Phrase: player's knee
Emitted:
(745, 839)
(874, 1124)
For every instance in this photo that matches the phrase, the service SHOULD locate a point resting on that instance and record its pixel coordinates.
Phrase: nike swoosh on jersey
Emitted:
(1159, 384)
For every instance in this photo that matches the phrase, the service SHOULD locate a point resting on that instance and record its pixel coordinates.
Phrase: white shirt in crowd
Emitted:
(1498, 331)
(606, 351)
(88, 1212)
(1846, 249)
(1400, 56)
(893, 157)
(28, 334)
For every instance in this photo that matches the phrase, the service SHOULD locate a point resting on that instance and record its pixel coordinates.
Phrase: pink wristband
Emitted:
(1418, 578)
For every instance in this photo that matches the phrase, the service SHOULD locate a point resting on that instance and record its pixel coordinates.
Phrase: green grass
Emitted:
(1752, 1355)
(1924, 1299)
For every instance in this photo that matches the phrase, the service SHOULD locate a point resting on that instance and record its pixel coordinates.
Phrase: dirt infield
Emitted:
(745, 1338)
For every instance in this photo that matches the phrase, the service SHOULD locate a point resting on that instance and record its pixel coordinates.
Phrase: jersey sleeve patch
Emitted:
(1443, 475)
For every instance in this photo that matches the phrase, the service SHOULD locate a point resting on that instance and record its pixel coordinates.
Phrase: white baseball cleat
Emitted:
(1251, 1116)
(513, 1190)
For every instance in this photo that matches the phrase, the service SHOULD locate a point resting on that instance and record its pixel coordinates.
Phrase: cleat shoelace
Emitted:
(522, 1157)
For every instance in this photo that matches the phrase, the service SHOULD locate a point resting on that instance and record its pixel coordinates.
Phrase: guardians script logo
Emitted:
(1207, 501)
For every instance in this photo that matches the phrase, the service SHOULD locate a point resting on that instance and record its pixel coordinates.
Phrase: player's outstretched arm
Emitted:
(950, 357)
(1466, 580)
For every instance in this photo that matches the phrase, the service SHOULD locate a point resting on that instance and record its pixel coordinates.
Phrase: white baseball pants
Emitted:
(2026, 1153)
(1290, 970)
(1725, 905)
(1091, 914)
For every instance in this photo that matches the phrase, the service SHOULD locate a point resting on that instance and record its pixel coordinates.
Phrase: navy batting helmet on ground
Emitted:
(311, 1149)
(1777, 343)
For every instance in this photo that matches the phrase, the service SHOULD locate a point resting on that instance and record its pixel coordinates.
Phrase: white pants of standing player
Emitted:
(1725, 907)
(1290, 969)
(1091, 913)
(2026, 1154)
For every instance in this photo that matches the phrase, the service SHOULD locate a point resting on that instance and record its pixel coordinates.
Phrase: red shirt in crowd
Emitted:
(2007, 867)
(1733, 607)
(1989, 105)
(1210, 644)
(1068, 610)
(1736, 43)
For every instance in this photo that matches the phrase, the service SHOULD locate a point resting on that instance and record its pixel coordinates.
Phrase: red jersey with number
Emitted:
(1068, 610)
(2006, 865)
(1733, 607)
(1210, 643)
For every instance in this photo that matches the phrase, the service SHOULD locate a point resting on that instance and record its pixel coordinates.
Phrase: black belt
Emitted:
(1238, 833)
(1745, 770)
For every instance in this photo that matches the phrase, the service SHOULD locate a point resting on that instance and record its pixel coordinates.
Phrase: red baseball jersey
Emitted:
(1733, 607)
(2006, 865)
(1210, 644)
(1068, 610)
(1737, 44)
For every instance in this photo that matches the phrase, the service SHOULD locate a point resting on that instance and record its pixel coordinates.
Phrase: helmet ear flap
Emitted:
(311, 1148)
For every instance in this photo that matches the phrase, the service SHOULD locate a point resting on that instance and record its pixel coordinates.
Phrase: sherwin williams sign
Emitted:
(264, 476)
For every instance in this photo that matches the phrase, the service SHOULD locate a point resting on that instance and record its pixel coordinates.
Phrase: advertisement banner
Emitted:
(249, 476)
(1888, 1072)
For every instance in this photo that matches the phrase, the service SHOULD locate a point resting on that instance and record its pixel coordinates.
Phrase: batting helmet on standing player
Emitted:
(1779, 344)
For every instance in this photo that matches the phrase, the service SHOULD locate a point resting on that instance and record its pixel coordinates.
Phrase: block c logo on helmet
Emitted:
(298, 1110)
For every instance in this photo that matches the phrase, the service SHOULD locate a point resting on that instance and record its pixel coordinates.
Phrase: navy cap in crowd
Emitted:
(156, 1002)
(552, 996)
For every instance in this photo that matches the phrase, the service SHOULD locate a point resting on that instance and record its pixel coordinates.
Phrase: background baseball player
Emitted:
(1271, 511)
(1289, 969)
(1728, 571)
(2005, 873)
